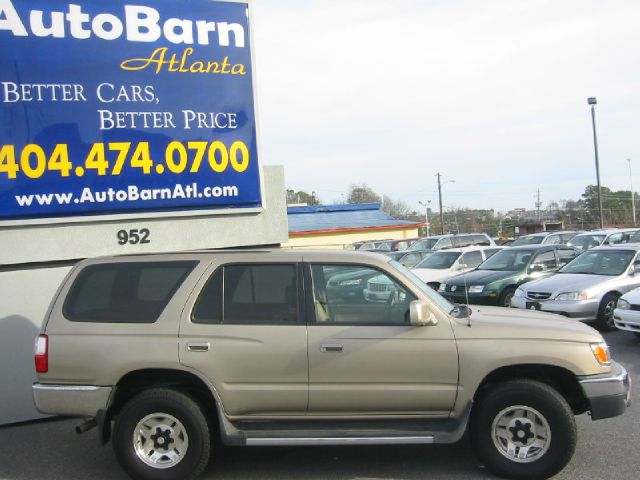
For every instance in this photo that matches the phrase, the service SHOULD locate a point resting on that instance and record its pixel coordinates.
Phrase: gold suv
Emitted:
(273, 347)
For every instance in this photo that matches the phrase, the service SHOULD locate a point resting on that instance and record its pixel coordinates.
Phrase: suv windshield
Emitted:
(602, 262)
(439, 260)
(528, 240)
(508, 260)
(585, 242)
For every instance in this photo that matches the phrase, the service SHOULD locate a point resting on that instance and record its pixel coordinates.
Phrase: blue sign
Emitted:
(122, 107)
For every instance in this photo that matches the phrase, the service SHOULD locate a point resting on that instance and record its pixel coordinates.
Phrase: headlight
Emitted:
(519, 292)
(573, 296)
(347, 283)
(476, 288)
(601, 352)
(442, 287)
(623, 304)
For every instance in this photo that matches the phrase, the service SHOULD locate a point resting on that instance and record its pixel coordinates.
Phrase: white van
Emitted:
(444, 264)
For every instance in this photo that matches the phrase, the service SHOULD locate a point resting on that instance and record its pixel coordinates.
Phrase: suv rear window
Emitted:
(249, 294)
(128, 292)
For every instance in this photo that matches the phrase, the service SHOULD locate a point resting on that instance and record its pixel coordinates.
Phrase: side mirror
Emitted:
(635, 268)
(462, 266)
(535, 268)
(421, 314)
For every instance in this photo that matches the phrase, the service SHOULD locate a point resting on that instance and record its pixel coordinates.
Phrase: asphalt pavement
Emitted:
(607, 449)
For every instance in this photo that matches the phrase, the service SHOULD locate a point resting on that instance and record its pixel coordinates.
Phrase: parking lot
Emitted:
(606, 449)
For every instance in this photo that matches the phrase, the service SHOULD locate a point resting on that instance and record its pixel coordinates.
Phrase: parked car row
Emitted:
(591, 278)
(495, 281)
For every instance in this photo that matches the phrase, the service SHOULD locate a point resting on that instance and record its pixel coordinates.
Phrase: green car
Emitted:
(495, 280)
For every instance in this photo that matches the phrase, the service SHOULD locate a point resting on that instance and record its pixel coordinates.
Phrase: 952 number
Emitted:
(133, 236)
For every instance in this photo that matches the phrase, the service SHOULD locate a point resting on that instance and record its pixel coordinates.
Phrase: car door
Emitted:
(365, 357)
(244, 331)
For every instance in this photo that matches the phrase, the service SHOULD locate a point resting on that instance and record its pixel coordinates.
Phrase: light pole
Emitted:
(440, 200)
(633, 202)
(592, 101)
(426, 213)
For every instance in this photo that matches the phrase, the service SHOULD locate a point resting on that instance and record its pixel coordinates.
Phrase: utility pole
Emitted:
(538, 206)
(593, 102)
(633, 201)
(440, 200)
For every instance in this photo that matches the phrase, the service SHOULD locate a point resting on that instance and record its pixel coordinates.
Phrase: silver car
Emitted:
(587, 288)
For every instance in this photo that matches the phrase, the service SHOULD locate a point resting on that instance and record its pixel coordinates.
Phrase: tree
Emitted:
(616, 206)
(396, 208)
(362, 193)
(302, 197)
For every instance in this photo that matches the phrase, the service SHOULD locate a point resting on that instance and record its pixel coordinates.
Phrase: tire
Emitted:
(605, 321)
(517, 410)
(162, 434)
(506, 296)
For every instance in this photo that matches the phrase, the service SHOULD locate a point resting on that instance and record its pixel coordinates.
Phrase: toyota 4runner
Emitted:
(164, 352)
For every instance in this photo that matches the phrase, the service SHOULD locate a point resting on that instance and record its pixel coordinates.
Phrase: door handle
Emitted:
(198, 346)
(331, 347)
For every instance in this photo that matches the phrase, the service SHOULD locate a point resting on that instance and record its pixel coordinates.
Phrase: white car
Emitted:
(626, 316)
(444, 264)
(595, 238)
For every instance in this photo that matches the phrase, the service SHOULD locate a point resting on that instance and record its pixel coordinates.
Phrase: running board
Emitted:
(417, 431)
(292, 441)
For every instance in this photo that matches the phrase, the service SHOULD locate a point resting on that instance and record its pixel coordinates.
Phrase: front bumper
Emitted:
(376, 295)
(584, 311)
(628, 320)
(474, 298)
(73, 400)
(609, 395)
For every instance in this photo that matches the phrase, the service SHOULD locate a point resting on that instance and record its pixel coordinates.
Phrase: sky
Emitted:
(491, 94)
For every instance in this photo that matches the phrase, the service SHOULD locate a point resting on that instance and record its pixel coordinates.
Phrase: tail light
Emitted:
(42, 354)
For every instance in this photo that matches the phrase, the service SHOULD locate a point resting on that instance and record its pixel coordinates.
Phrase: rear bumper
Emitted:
(74, 400)
(609, 395)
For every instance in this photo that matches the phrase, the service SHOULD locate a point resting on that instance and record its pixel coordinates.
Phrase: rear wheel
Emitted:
(162, 434)
(605, 320)
(523, 429)
(505, 298)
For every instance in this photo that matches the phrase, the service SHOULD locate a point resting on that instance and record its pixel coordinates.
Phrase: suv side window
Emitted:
(614, 238)
(249, 294)
(443, 243)
(471, 259)
(466, 240)
(552, 240)
(565, 255)
(481, 240)
(411, 259)
(547, 260)
(126, 292)
(358, 295)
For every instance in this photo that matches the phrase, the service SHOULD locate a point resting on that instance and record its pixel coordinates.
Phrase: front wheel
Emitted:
(605, 320)
(505, 298)
(523, 429)
(162, 434)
